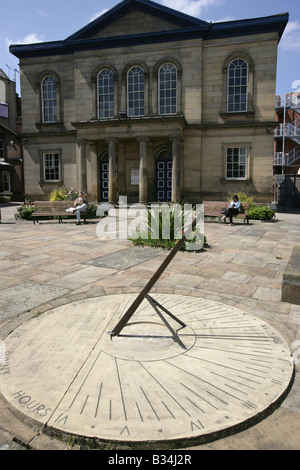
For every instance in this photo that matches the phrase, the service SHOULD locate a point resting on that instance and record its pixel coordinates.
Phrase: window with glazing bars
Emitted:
(236, 160)
(51, 166)
(136, 91)
(105, 94)
(167, 89)
(237, 86)
(49, 99)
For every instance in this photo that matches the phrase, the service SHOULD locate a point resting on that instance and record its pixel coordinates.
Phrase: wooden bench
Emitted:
(214, 209)
(54, 209)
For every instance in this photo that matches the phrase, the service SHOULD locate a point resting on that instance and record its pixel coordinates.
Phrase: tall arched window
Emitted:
(237, 86)
(167, 89)
(136, 92)
(49, 99)
(106, 94)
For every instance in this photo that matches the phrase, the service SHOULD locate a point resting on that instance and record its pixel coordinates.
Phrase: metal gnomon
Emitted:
(144, 294)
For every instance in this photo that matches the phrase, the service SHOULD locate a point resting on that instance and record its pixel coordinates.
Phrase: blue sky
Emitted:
(35, 21)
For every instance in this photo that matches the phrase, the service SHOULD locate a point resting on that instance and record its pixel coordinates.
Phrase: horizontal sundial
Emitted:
(64, 369)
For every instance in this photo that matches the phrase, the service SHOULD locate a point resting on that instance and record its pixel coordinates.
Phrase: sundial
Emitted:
(176, 368)
(64, 369)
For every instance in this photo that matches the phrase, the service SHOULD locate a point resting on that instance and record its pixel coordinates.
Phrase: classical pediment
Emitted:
(136, 17)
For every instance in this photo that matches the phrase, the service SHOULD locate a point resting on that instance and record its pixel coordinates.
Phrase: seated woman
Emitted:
(80, 206)
(233, 209)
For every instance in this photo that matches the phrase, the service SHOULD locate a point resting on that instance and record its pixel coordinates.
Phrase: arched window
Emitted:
(105, 94)
(167, 89)
(136, 92)
(49, 99)
(237, 86)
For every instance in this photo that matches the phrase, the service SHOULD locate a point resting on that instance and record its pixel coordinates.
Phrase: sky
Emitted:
(35, 21)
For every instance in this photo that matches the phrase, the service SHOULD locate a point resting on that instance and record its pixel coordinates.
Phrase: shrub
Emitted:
(24, 212)
(255, 212)
(91, 211)
(155, 224)
(261, 213)
(242, 197)
(58, 194)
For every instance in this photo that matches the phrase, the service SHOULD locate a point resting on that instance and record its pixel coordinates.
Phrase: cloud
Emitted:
(290, 40)
(191, 7)
(41, 12)
(28, 39)
(96, 15)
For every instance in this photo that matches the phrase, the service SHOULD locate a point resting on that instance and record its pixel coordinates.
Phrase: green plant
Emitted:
(5, 198)
(58, 194)
(243, 197)
(91, 211)
(71, 195)
(24, 212)
(261, 213)
(160, 234)
(255, 212)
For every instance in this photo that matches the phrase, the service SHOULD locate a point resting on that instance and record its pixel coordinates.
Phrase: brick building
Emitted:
(11, 159)
(287, 134)
(153, 104)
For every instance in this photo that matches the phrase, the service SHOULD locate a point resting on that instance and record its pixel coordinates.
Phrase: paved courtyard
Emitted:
(48, 265)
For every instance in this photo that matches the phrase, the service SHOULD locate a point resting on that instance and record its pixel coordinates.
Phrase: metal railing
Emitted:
(290, 130)
(286, 159)
(289, 100)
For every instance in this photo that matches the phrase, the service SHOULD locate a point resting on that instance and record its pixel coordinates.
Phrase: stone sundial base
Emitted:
(65, 371)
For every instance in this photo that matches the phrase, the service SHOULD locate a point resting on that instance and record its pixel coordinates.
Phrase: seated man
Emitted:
(80, 205)
(233, 209)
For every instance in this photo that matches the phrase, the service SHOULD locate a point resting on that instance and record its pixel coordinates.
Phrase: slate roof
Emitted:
(185, 27)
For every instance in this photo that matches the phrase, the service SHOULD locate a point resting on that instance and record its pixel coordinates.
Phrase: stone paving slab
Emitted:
(27, 295)
(259, 251)
(127, 258)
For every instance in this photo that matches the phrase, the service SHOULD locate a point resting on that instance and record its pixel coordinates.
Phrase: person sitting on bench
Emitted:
(233, 209)
(80, 205)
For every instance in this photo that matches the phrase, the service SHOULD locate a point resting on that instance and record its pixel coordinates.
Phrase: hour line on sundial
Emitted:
(141, 385)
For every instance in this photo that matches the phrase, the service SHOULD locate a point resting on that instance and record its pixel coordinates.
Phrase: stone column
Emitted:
(81, 166)
(175, 168)
(94, 183)
(143, 172)
(112, 170)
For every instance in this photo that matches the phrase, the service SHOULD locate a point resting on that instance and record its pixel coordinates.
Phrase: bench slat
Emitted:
(53, 208)
(214, 208)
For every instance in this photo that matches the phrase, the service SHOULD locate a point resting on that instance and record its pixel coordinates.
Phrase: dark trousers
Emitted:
(230, 212)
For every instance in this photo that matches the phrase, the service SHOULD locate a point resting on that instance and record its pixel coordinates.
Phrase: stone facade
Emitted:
(127, 153)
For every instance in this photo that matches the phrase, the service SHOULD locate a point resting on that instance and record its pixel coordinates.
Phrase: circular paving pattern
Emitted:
(65, 370)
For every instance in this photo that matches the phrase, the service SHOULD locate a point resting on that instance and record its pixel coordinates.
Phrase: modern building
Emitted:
(150, 103)
(11, 159)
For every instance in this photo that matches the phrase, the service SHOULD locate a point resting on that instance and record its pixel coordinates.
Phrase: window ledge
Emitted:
(49, 125)
(226, 114)
(238, 180)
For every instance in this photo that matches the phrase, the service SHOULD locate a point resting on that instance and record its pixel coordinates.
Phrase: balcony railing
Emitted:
(287, 159)
(290, 100)
(290, 130)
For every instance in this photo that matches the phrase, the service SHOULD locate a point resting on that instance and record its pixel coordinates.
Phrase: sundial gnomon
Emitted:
(213, 369)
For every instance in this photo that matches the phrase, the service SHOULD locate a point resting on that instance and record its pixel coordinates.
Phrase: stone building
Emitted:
(152, 104)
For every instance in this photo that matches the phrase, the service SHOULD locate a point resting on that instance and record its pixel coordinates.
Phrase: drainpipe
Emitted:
(283, 141)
